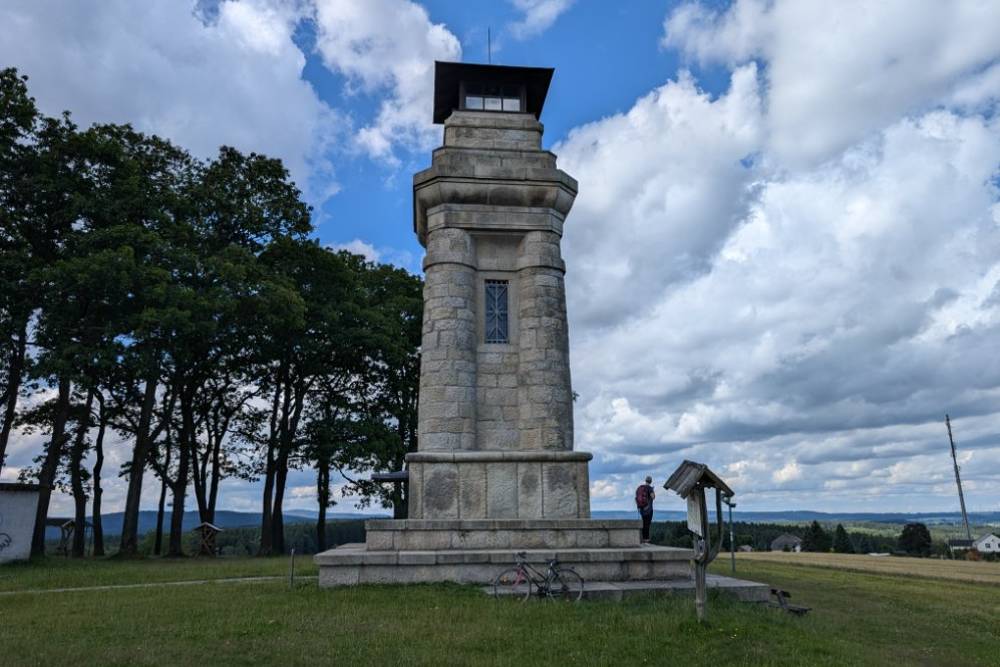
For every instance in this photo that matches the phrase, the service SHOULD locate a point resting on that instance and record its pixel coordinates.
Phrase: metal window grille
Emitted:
(497, 315)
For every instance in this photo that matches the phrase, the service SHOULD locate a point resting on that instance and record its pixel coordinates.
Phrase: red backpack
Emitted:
(642, 496)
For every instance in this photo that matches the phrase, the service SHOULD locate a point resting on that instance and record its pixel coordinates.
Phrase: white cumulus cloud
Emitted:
(537, 16)
(233, 78)
(837, 71)
(388, 47)
(795, 279)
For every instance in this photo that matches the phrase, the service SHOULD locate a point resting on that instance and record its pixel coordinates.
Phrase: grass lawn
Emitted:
(59, 572)
(858, 618)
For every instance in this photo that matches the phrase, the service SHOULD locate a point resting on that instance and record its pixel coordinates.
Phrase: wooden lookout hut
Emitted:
(207, 532)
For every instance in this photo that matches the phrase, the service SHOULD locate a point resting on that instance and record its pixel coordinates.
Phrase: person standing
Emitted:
(644, 496)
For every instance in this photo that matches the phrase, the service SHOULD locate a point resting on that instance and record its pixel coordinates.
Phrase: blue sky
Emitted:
(619, 60)
(785, 256)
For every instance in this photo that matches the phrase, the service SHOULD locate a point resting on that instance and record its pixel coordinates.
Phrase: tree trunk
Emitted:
(47, 476)
(323, 496)
(10, 408)
(76, 479)
(398, 501)
(102, 424)
(265, 515)
(198, 473)
(290, 426)
(130, 523)
(158, 545)
(175, 542)
(175, 545)
(277, 518)
(213, 487)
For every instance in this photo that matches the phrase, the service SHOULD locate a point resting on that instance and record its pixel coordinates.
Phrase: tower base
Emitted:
(425, 551)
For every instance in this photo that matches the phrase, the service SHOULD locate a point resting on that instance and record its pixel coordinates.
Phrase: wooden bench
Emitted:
(781, 602)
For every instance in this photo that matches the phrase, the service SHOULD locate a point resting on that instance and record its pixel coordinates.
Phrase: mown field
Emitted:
(931, 568)
(857, 619)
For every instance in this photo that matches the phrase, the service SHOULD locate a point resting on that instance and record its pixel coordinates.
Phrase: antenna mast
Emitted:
(489, 46)
(958, 479)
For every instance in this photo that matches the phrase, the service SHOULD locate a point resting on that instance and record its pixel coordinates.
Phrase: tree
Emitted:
(816, 539)
(50, 220)
(18, 121)
(841, 542)
(391, 382)
(143, 202)
(915, 539)
(305, 363)
(178, 303)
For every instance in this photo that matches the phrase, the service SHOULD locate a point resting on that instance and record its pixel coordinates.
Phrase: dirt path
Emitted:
(190, 582)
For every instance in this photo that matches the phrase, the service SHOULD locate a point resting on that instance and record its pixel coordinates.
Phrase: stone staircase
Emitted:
(423, 551)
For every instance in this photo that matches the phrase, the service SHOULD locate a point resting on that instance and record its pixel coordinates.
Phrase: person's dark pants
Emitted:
(647, 518)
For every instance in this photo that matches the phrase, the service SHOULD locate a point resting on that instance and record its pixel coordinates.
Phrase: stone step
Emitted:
(354, 564)
(743, 590)
(516, 534)
(358, 554)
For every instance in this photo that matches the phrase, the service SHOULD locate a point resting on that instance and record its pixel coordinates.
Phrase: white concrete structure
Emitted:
(495, 471)
(18, 504)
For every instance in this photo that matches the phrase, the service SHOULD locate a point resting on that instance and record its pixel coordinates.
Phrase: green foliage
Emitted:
(816, 539)
(915, 540)
(760, 535)
(841, 542)
(185, 295)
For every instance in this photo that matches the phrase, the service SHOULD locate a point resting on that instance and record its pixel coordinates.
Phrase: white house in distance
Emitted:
(787, 542)
(987, 544)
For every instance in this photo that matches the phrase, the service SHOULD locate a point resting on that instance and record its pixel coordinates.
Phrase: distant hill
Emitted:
(229, 519)
(223, 519)
(823, 517)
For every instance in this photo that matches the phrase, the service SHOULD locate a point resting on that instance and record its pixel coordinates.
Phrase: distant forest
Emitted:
(760, 535)
(181, 309)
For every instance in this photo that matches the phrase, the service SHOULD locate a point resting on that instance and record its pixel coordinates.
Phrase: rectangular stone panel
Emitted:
(472, 490)
(529, 490)
(560, 499)
(415, 491)
(583, 486)
(501, 490)
(440, 491)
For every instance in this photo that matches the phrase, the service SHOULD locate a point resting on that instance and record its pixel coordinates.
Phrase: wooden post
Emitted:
(690, 481)
(701, 558)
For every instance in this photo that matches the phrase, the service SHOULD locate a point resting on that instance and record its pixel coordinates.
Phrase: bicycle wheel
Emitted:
(512, 583)
(566, 585)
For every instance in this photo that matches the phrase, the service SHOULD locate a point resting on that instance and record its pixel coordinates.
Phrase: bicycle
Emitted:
(558, 582)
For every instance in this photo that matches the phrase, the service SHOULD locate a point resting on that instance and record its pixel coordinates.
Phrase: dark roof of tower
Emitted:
(448, 76)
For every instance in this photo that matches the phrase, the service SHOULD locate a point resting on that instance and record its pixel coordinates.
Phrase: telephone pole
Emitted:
(958, 479)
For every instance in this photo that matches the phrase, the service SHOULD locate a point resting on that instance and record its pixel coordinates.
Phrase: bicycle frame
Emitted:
(535, 576)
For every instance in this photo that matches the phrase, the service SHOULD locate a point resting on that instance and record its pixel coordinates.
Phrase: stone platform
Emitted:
(475, 551)
(510, 534)
(352, 564)
(745, 591)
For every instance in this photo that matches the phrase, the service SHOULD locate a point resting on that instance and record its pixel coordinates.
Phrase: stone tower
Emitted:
(495, 471)
(496, 403)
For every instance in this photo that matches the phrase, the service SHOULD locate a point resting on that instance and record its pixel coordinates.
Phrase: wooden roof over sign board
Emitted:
(690, 475)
